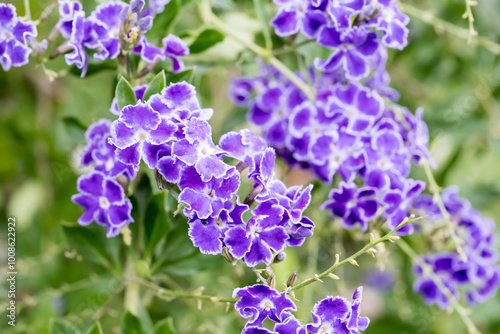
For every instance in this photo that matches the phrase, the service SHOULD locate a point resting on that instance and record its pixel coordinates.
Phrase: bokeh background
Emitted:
(64, 285)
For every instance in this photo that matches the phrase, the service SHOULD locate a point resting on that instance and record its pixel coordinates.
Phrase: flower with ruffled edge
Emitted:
(137, 134)
(295, 15)
(173, 48)
(15, 38)
(260, 302)
(104, 202)
(351, 50)
(391, 22)
(67, 13)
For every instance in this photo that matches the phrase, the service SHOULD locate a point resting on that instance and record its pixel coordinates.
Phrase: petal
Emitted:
(205, 237)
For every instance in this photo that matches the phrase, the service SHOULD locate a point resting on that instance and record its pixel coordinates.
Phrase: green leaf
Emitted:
(96, 329)
(156, 222)
(125, 94)
(165, 326)
(155, 86)
(206, 39)
(88, 243)
(131, 324)
(186, 75)
(58, 326)
(163, 21)
(75, 128)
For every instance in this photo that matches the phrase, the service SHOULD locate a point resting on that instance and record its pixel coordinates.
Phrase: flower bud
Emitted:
(145, 23)
(280, 257)
(271, 281)
(228, 256)
(291, 280)
(136, 6)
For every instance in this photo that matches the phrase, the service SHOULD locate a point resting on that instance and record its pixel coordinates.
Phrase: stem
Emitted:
(462, 312)
(468, 15)
(355, 255)
(209, 18)
(27, 10)
(441, 24)
(182, 294)
(261, 15)
(434, 188)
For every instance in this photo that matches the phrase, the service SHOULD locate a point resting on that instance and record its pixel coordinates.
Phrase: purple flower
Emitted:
(197, 149)
(173, 48)
(255, 241)
(157, 6)
(336, 315)
(260, 302)
(104, 201)
(392, 23)
(68, 9)
(342, 11)
(138, 133)
(351, 50)
(353, 205)
(295, 15)
(101, 153)
(205, 199)
(81, 36)
(15, 38)
(242, 145)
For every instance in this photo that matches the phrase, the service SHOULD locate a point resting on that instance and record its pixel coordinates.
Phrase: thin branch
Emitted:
(209, 18)
(468, 15)
(443, 25)
(161, 292)
(434, 189)
(462, 312)
(351, 259)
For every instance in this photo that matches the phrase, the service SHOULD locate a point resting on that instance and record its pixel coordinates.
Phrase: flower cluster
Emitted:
(330, 315)
(350, 28)
(16, 38)
(349, 130)
(114, 29)
(170, 133)
(479, 275)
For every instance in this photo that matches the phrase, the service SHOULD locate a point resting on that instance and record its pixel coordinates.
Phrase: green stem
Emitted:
(434, 188)
(443, 25)
(468, 15)
(462, 312)
(161, 292)
(27, 10)
(350, 259)
(261, 15)
(209, 18)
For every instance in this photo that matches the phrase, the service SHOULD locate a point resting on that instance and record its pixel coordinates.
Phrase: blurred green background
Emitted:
(64, 283)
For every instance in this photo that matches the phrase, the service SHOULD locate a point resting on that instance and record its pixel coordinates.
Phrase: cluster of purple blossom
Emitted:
(170, 133)
(351, 28)
(330, 315)
(115, 29)
(17, 37)
(349, 130)
(479, 275)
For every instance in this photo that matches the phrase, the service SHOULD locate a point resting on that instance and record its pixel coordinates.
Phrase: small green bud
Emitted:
(291, 280)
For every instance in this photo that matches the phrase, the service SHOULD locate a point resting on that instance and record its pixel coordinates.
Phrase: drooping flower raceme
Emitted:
(16, 37)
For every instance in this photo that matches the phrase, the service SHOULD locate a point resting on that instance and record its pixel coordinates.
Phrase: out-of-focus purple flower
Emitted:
(351, 50)
(138, 133)
(16, 37)
(342, 11)
(102, 154)
(260, 302)
(104, 202)
(298, 15)
(157, 6)
(353, 205)
(380, 279)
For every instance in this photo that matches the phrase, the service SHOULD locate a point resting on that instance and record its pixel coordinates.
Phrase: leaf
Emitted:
(59, 326)
(163, 21)
(165, 326)
(131, 324)
(96, 329)
(186, 75)
(88, 243)
(262, 10)
(155, 86)
(205, 40)
(125, 94)
(155, 222)
(75, 129)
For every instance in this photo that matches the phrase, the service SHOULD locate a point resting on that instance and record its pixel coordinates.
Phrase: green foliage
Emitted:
(124, 94)
(205, 40)
(155, 86)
